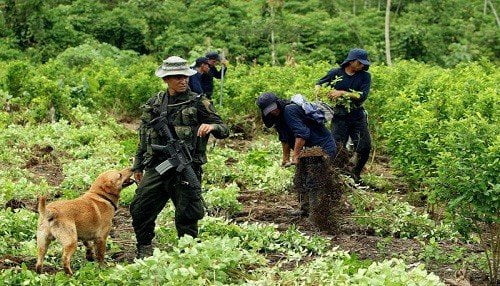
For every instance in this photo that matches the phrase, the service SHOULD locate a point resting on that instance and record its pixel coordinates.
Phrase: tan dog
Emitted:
(87, 218)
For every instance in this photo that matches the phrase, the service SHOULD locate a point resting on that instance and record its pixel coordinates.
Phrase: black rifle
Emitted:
(175, 150)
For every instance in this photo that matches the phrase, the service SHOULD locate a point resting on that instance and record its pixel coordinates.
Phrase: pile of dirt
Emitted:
(342, 160)
(319, 188)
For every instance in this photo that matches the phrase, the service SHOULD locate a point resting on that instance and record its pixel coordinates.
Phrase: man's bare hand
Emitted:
(138, 176)
(334, 94)
(286, 162)
(205, 129)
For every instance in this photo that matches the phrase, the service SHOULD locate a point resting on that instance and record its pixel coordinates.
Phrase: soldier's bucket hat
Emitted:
(357, 54)
(174, 65)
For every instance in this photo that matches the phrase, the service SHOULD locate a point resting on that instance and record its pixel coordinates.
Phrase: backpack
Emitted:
(317, 111)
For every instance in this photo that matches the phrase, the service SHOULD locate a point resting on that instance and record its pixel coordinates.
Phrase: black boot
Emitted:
(301, 213)
(144, 250)
(356, 177)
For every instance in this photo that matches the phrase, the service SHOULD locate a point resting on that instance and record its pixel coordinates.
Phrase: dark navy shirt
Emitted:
(207, 79)
(360, 81)
(194, 83)
(294, 123)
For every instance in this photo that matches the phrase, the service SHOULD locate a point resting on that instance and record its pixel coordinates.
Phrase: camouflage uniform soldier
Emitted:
(194, 119)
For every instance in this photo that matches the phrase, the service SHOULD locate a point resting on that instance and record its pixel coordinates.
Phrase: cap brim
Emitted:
(269, 108)
(217, 58)
(365, 62)
(163, 73)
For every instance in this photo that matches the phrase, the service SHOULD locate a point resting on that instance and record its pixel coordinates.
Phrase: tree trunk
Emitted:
(494, 12)
(273, 49)
(273, 44)
(387, 39)
(52, 113)
(399, 7)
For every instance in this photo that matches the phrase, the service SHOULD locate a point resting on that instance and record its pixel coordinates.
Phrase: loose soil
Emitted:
(258, 206)
(45, 164)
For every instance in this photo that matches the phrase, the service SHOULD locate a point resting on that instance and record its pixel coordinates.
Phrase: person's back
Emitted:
(305, 127)
(195, 83)
(296, 130)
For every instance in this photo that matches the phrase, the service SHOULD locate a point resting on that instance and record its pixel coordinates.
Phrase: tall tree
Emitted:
(387, 39)
(272, 7)
(492, 10)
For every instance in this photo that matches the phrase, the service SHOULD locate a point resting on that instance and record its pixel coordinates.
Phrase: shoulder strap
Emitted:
(196, 97)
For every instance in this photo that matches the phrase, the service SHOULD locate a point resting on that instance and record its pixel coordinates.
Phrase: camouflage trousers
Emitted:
(151, 196)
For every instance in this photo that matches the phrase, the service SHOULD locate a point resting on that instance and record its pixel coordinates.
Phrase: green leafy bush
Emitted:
(256, 168)
(265, 238)
(334, 268)
(223, 200)
(17, 227)
(192, 262)
(400, 219)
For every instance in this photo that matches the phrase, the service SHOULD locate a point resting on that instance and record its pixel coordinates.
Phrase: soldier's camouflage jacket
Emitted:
(186, 112)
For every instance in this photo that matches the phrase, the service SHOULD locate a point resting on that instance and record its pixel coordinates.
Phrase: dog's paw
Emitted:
(68, 271)
(89, 255)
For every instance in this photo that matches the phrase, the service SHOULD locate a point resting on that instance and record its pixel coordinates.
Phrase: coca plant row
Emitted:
(440, 126)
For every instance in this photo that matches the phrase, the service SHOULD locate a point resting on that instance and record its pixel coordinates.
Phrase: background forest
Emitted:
(262, 31)
(73, 74)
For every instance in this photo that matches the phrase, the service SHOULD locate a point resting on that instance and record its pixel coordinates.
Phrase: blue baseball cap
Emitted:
(201, 60)
(267, 102)
(213, 56)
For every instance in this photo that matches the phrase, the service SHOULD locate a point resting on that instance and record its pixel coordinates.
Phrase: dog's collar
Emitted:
(109, 200)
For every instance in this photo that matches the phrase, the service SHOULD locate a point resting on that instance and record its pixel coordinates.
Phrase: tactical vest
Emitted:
(183, 116)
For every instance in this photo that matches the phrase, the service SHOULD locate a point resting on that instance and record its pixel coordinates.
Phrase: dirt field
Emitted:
(259, 207)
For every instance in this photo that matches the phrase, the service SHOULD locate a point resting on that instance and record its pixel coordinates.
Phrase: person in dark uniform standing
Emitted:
(202, 67)
(193, 118)
(351, 80)
(207, 80)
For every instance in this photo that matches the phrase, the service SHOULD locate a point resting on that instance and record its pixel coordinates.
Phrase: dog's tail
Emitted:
(42, 211)
(41, 205)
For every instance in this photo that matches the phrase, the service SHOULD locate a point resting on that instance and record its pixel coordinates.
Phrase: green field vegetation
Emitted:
(84, 143)
(226, 252)
(73, 74)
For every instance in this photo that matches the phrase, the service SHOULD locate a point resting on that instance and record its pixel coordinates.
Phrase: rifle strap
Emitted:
(162, 97)
(180, 103)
